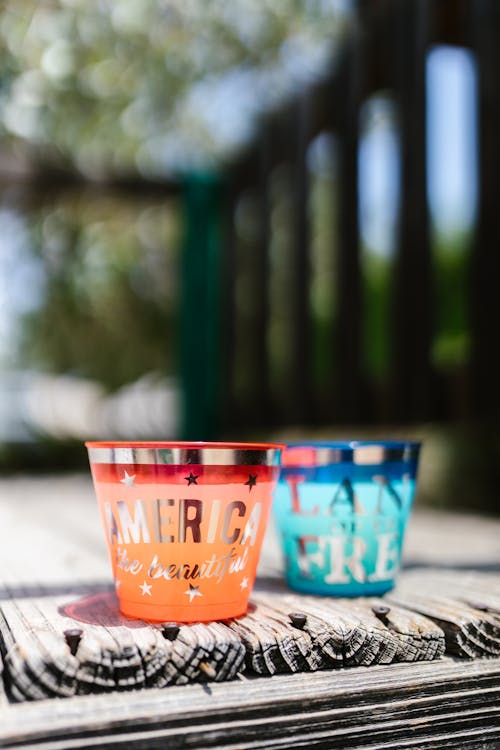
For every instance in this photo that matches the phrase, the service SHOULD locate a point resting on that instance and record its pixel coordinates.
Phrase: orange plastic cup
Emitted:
(184, 524)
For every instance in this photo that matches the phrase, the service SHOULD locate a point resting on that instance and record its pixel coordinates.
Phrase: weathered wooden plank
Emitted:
(327, 638)
(336, 633)
(445, 703)
(61, 531)
(112, 653)
(468, 632)
(477, 587)
(467, 610)
(352, 641)
(481, 594)
(348, 632)
(399, 705)
(3, 696)
(272, 644)
(470, 735)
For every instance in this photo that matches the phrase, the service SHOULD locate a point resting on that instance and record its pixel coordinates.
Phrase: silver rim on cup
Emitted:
(223, 454)
(361, 453)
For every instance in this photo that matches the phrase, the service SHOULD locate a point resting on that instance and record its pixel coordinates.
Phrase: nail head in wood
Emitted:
(298, 619)
(73, 638)
(208, 670)
(381, 611)
(170, 631)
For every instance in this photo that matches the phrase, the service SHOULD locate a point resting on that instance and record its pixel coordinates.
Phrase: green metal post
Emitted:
(201, 329)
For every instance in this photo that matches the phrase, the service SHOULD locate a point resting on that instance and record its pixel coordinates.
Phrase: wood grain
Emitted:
(347, 633)
(428, 612)
(64, 582)
(466, 608)
(114, 653)
(447, 703)
(3, 696)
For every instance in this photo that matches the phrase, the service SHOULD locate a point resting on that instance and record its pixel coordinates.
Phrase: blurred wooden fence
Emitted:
(230, 343)
(385, 50)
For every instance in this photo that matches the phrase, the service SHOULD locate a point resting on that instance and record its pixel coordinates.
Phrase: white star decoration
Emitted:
(193, 592)
(128, 479)
(145, 588)
(244, 584)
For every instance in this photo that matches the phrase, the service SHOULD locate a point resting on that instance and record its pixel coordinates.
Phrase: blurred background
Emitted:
(249, 220)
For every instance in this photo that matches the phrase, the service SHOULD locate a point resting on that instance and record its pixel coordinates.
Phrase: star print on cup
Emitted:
(128, 479)
(193, 592)
(192, 478)
(251, 481)
(146, 588)
(244, 584)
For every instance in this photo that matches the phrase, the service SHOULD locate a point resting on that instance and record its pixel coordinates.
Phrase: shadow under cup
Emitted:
(341, 511)
(184, 524)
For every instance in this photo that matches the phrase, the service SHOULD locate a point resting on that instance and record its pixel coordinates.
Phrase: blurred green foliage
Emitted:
(451, 341)
(109, 307)
(452, 292)
(377, 274)
(323, 217)
(114, 90)
(137, 85)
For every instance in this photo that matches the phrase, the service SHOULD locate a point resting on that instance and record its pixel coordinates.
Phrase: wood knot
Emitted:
(73, 638)
(298, 619)
(170, 631)
(381, 612)
(207, 670)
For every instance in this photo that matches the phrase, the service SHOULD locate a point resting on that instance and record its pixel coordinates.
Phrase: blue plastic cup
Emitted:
(341, 511)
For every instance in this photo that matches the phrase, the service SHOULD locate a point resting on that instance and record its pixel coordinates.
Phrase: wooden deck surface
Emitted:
(54, 572)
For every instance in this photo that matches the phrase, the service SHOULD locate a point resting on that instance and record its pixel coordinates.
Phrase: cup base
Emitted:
(180, 613)
(348, 590)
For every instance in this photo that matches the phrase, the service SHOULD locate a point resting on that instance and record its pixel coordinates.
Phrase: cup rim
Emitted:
(361, 452)
(351, 444)
(183, 445)
(181, 453)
